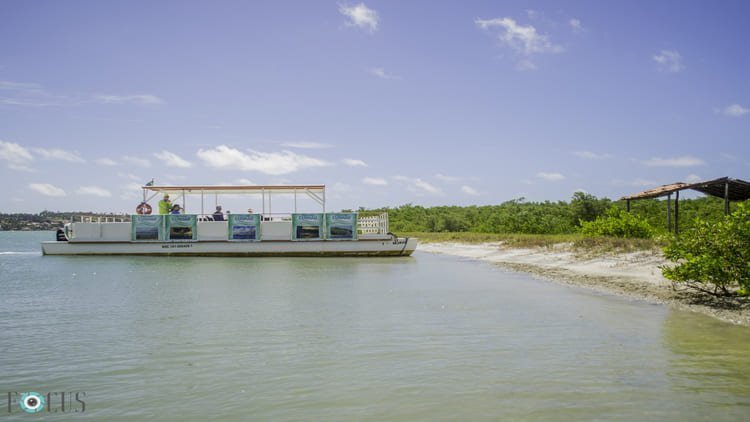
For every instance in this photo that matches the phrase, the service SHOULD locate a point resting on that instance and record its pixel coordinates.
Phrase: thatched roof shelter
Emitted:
(723, 187)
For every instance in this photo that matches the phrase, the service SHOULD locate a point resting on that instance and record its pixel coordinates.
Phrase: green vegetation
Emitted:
(713, 256)
(618, 223)
(587, 222)
(45, 220)
(521, 217)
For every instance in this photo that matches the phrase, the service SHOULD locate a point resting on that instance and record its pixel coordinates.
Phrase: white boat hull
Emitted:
(389, 247)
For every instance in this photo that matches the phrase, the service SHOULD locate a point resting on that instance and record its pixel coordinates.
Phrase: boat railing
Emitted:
(101, 219)
(372, 225)
(263, 217)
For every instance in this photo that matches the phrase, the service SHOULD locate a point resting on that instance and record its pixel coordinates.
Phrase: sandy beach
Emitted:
(635, 275)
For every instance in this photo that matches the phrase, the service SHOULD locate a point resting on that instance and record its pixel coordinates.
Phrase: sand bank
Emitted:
(635, 275)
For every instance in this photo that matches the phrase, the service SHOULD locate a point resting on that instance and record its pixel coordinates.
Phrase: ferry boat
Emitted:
(251, 234)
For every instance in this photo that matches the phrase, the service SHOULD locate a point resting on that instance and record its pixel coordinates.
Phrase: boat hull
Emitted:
(399, 247)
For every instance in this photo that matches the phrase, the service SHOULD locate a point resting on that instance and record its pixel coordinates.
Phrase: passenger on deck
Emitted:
(165, 205)
(175, 209)
(218, 215)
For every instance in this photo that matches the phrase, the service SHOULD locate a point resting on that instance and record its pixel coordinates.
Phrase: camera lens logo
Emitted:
(32, 402)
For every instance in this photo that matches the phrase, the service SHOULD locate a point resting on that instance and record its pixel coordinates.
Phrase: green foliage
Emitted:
(522, 217)
(655, 211)
(516, 216)
(586, 207)
(618, 223)
(713, 255)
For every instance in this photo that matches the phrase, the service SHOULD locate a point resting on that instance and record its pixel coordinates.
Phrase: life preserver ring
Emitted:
(143, 208)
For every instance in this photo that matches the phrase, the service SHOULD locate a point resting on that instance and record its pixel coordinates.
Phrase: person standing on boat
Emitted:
(165, 205)
(218, 215)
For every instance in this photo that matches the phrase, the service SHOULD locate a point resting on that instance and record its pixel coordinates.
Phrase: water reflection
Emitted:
(708, 356)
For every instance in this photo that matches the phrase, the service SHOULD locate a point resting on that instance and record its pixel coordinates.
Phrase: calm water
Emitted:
(421, 338)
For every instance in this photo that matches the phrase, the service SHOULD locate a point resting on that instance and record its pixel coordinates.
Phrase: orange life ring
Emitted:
(143, 208)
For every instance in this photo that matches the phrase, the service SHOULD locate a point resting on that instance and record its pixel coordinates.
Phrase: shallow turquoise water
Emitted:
(421, 338)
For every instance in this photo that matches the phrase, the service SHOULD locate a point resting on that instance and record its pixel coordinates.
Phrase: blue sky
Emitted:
(384, 102)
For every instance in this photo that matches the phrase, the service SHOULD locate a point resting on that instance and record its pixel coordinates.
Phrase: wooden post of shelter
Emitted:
(677, 212)
(669, 212)
(726, 197)
(627, 201)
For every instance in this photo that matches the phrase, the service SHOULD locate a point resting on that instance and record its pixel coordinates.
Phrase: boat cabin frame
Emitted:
(315, 192)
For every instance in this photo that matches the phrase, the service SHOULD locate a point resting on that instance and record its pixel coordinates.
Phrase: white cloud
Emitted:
(131, 191)
(173, 160)
(693, 178)
(136, 161)
(30, 102)
(104, 161)
(15, 155)
(58, 154)
(144, 99)
(29, 94)
(273, 163)
(130, 176)
(550, 177)
(469, 190)
(353, 162)
(444, 178)
(382, 74)
(35, 95)
(19, 86)
(374, 181)
(522, 39)
(306, 145)
(245, 182)
(576, 25)
(592, 155)
(360, 16)
(94, 190)
(684, 161)
(46, 189)
(669, 61)
(418, 185)
(735, 110)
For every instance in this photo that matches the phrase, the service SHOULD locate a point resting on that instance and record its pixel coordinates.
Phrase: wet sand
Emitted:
(635, 275)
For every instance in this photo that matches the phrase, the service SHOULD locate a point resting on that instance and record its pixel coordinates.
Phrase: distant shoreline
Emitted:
(633, 274)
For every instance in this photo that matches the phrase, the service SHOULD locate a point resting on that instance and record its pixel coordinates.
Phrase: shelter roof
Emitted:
(663, 190)
(739, 190)
(231, 189)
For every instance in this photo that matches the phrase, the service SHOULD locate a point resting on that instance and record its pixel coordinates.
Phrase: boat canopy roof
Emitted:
(237, 189)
